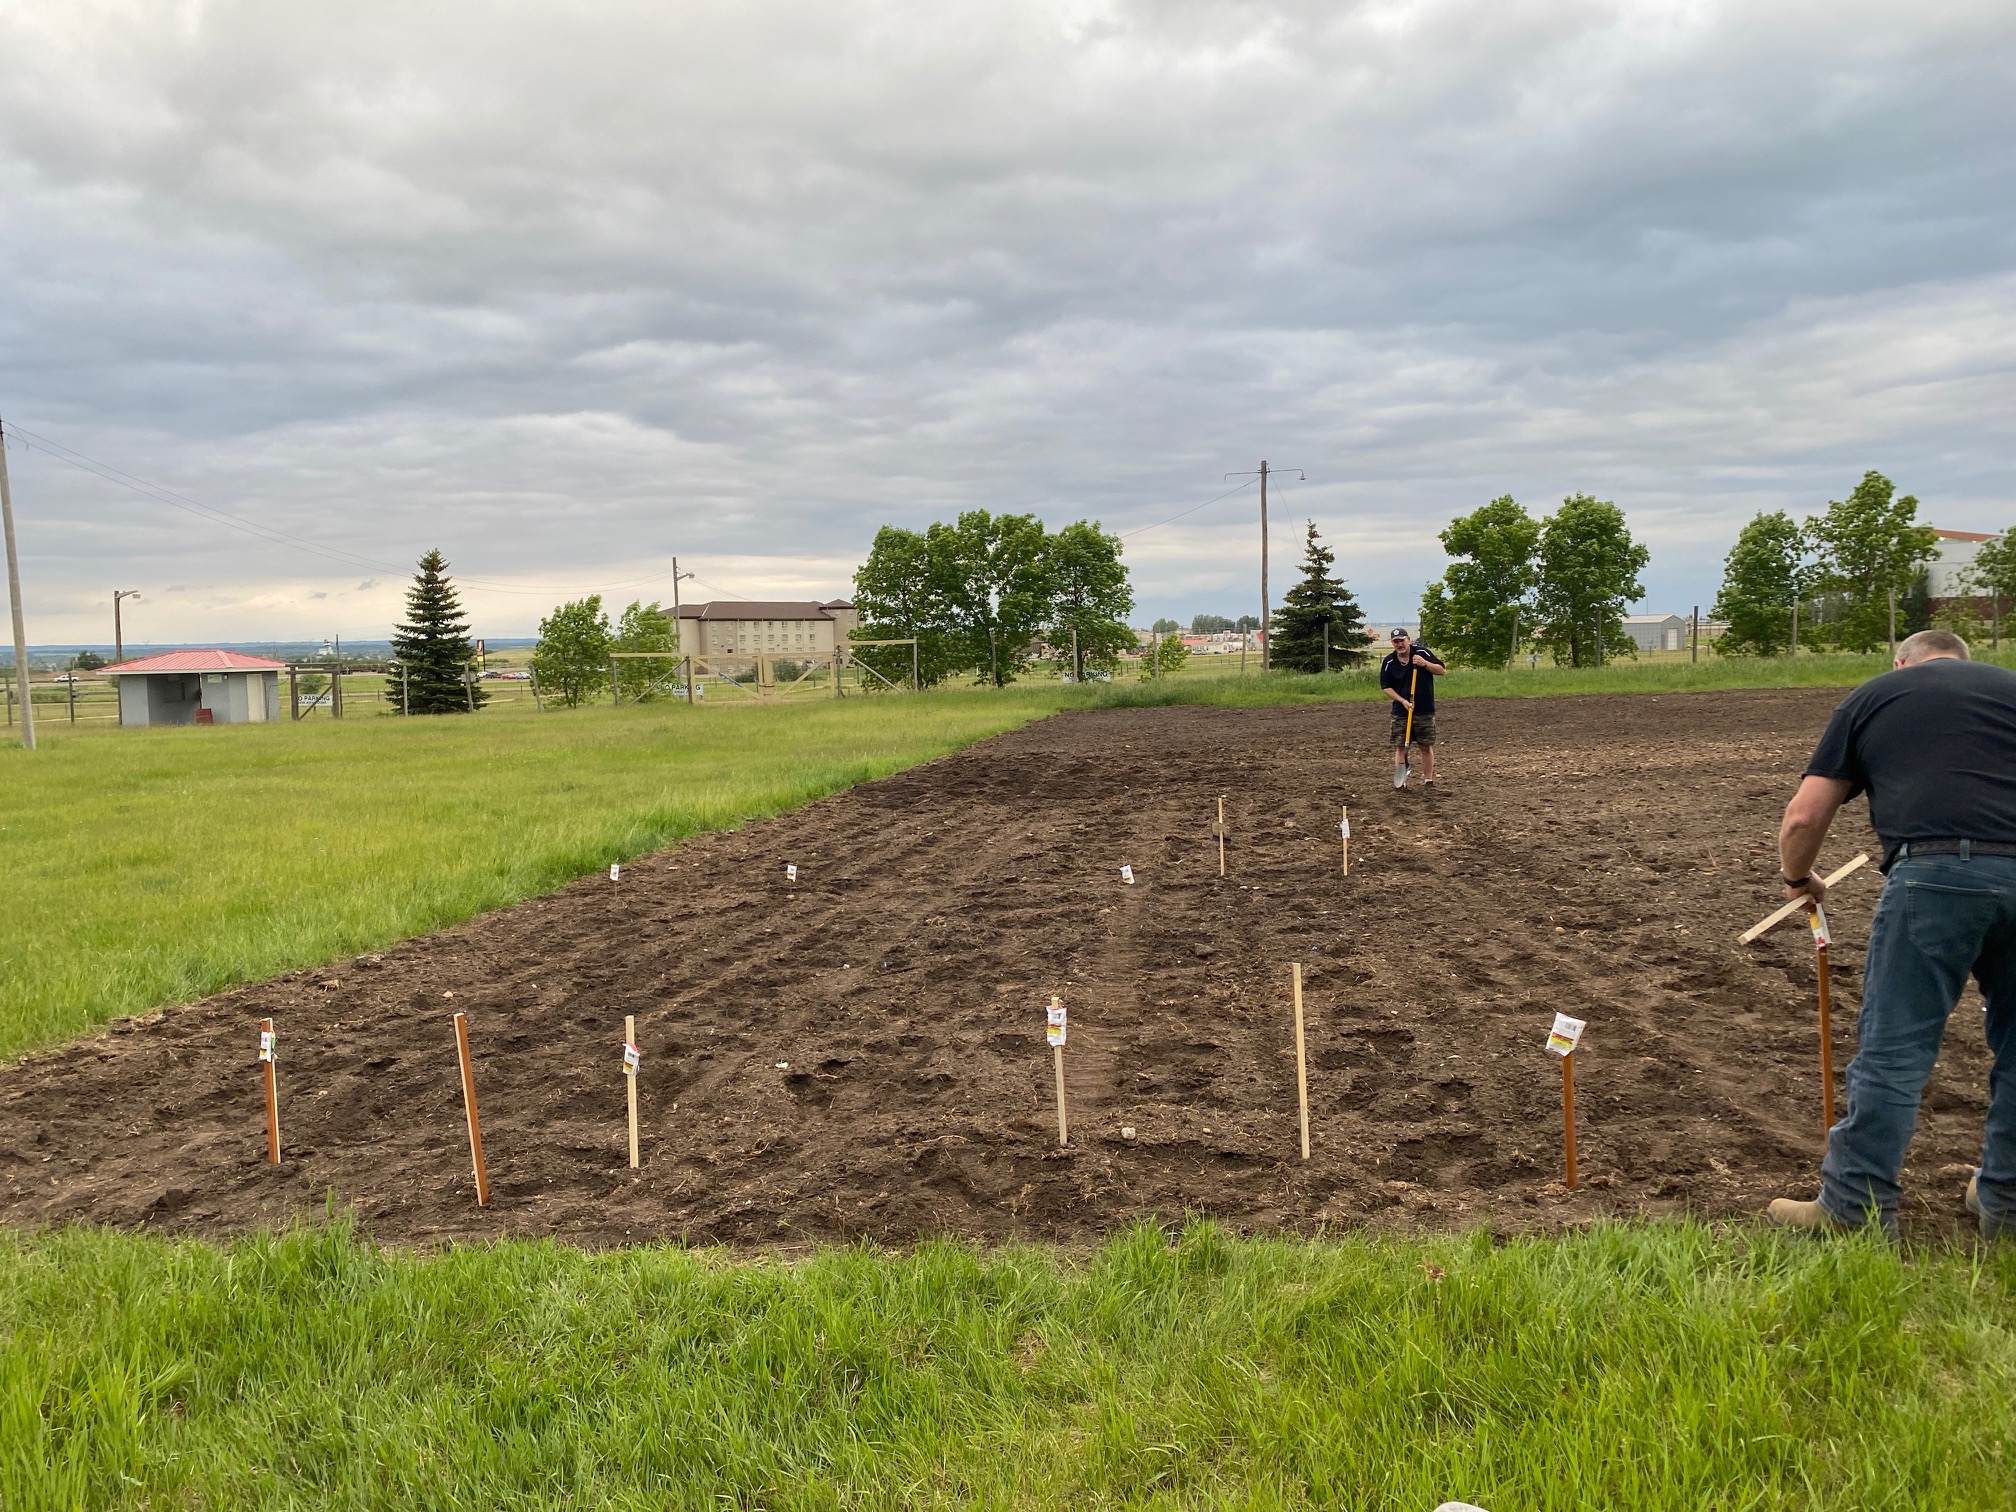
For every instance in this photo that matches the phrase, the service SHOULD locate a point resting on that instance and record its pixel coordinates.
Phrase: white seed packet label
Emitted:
(791, 873)
(1816, 920)
(632, 1059)
(1566, 1035)
(267, 1048)
(1055, 1031)
(1344, 828)
(1127, 875)
(615, 871)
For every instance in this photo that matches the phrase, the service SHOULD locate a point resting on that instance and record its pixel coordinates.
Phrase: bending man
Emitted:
(1407, 677)
(1933, 743)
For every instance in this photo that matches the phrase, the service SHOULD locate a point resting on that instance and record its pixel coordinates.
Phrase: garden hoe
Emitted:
(1406, 769)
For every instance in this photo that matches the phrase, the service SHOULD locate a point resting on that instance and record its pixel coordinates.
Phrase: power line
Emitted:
(1128, 535)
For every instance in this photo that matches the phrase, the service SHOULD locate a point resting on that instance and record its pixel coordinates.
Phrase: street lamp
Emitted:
(118, 632)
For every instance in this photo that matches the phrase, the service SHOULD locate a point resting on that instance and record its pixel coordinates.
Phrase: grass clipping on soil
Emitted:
(1653, 1367)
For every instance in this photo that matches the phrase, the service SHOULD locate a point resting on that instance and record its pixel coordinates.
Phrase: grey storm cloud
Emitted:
(564, 289)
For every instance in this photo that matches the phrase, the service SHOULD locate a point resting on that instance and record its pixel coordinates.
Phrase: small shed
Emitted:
(1657, 632)
(197, 687)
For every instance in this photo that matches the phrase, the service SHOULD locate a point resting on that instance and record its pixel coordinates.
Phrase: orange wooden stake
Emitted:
(1301, 1064)
(1221, 834)
(1055, 1033)
(1568, 1112)
(266, 1054)
(630, 1067)
(1344, 829)
(469, 1106)
(1817, 920)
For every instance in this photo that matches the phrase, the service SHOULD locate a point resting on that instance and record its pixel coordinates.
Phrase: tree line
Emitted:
(1559, 584)
(1838, 580)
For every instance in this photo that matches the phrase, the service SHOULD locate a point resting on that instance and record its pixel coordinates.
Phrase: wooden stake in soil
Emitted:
(1344, 829)
(266, 1054)
(1056, 1036)
(1221, 834)
(1301, 1065)
(1566, 1035)
(632, 1058)
(469, 1107)
(1817, 919)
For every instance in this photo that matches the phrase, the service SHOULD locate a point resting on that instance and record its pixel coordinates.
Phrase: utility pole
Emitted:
(1266, 606)
(14, 601)
(119, 630)
(679, 633)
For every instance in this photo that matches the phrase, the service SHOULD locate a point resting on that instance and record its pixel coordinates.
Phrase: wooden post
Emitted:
(1301, 1065)
(405, 692)
(294, 691)
(537, 703)
(1221, 834)
(469, 1107)
(266, 1056)
(1568, 1112)
(1056, 1033)
(1817, 920)
(615, 687)
(1344, 831)
(630, 1059)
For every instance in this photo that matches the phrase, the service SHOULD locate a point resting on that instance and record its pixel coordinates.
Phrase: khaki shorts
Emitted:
(1424, 727)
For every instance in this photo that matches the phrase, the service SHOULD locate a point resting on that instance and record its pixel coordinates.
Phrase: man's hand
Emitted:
(1812, 888)
(1405, 703)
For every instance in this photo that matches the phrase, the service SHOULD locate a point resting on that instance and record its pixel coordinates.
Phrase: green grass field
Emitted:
(1645, 1367)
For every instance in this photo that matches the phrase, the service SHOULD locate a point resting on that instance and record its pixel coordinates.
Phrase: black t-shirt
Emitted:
(1393, 675)
(1934, 746)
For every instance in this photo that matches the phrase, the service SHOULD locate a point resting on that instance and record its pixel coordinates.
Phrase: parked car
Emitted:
(503, 676)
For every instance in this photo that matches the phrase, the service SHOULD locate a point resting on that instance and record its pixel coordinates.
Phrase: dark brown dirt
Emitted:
(863, 1053)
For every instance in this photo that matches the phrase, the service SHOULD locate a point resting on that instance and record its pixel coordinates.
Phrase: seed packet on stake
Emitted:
(267, 1051)
(1056, 1028)
(1127, 875)
(1566, 1034)
(1816, 919)
(791, 872)
(632, 1059)
(615, 871)
(1344, 828)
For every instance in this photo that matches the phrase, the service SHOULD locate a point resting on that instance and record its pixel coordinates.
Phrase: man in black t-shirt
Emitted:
(1407, 677)
(1933, 743)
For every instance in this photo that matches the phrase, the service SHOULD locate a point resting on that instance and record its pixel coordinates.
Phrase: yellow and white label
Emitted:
(632, 1059)
(1565, 1035)
(1056, 1026)
(1127, 875)
(791, 873)
(267, 1048)
(1816, 919)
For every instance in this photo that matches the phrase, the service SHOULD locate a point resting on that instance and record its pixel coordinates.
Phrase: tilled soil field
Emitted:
(862, 1053)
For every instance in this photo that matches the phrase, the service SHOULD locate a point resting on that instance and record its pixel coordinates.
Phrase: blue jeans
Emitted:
(1940, 918)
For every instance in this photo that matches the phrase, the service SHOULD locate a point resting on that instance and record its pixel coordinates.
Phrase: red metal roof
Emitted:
(198, 661)
(1964, 535)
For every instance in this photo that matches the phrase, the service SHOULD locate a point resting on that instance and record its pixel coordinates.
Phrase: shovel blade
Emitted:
(1401, 774)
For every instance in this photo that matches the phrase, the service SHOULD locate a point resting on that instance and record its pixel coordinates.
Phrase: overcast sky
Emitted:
(564, 289)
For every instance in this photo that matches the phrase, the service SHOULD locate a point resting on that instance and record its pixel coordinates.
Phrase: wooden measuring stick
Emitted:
(1781, 915)
(1568, 1112)
(1301, 1064)
(630, 1077)
(469, 1107)
(1056, 1033)
(1221, 834)
(267, 1052)
(1344, 830)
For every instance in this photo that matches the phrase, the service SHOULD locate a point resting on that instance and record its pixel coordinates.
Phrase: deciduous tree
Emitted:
(1868, 546)
(1761, 580)
(433, 646)
(1589, 568)
(571, 660)
(1484, 598)
(645, 627)
(1092, 598)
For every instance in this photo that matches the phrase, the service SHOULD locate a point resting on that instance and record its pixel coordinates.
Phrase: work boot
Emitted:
(1991, 1228)
(1810, 1217)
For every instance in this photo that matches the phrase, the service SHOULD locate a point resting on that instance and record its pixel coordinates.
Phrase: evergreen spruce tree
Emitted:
(1318, 600)
(434, 646)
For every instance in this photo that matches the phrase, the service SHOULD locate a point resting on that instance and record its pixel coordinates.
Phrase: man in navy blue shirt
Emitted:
(1407, 678)
(1933, 743)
